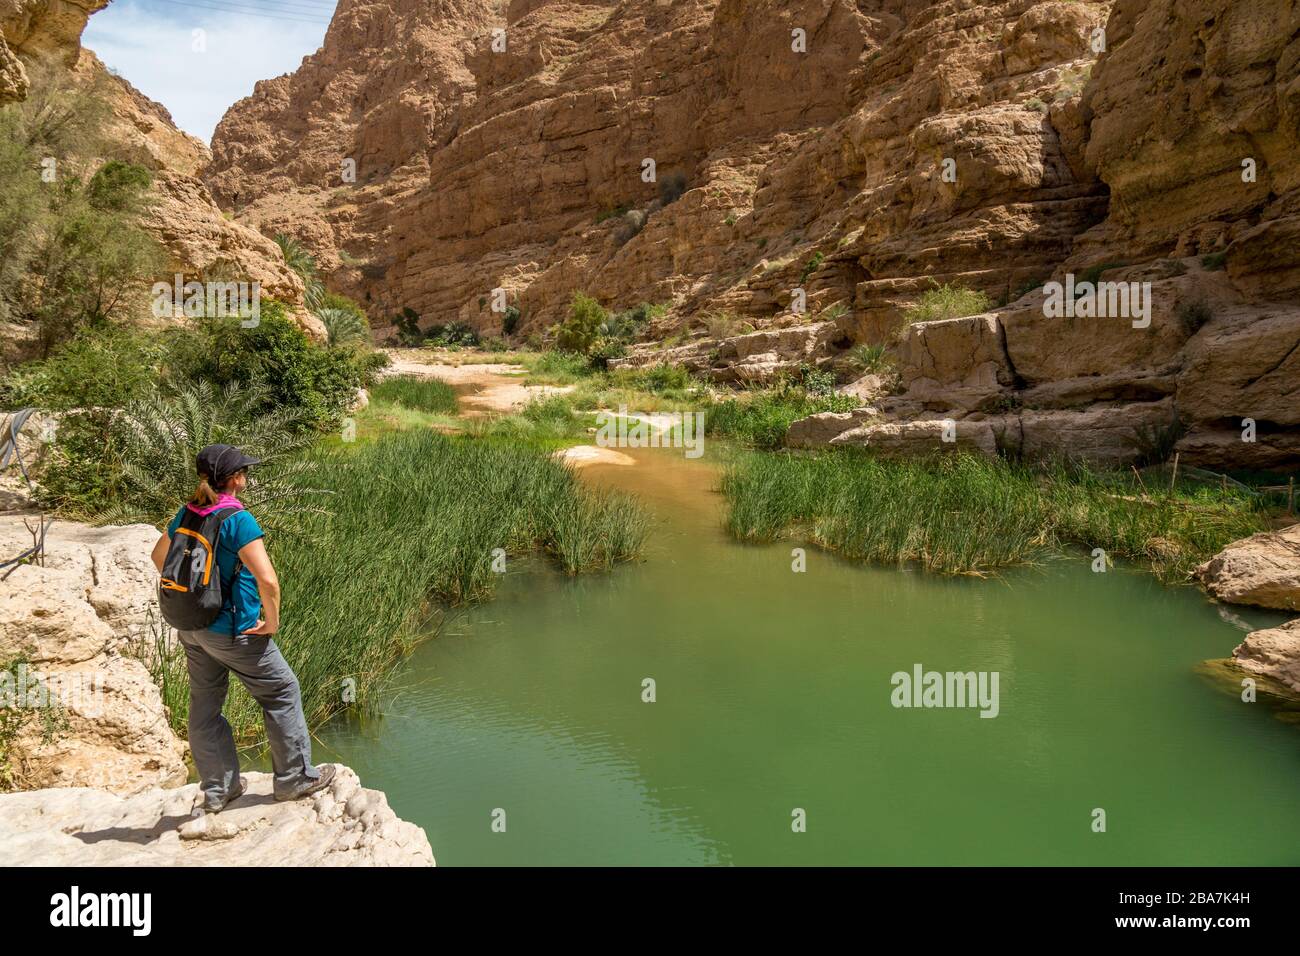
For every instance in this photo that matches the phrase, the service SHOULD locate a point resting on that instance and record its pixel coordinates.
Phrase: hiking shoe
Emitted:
(310, 786)
(209, 805)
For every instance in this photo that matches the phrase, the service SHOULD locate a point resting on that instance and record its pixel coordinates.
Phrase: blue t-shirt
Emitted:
(236, 532)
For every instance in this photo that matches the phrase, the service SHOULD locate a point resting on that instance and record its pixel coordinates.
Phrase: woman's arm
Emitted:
(159, 554)
(258, 562)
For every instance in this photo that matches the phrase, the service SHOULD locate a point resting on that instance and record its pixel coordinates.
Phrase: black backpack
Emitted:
(190, 592)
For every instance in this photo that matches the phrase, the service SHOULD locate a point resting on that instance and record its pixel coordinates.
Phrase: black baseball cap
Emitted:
(219, 462)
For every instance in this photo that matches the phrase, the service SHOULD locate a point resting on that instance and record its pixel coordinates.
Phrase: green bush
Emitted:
(344, 327)
(580, 330)
(562, 368)
(811, 266)
(604, 349)
(59, 120)
(407, 323)
(510, 321)
(91, 259)
(157, 438)
(82, 474)
(1193, 315)
(104, 367)
(277, 357)
(813, 380)
(630, 324)
(661, 378)
(671, 188)
(302, 262)
(764, 419)
(869, 358)
(451, 334)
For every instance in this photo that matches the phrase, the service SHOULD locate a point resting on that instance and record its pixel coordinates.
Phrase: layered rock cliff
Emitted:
(862, 151)
(782, 155)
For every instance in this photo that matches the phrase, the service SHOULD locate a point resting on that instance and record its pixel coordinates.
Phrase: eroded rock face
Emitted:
(13, 78)
(202, 243)
(1263, 570)
(344, 825)
(992, 146)
(478, 169)
(78, 622)
(1188, 91)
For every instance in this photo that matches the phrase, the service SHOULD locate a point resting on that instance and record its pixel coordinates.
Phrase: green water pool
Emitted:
(773, 699)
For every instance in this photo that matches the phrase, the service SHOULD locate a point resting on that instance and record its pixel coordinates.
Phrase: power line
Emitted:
(229, 6)
(236, 6)
(304, 7)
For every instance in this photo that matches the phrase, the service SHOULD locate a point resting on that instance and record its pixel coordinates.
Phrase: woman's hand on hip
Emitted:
(262, 629)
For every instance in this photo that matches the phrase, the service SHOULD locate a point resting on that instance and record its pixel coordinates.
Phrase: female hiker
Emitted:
(225, 622)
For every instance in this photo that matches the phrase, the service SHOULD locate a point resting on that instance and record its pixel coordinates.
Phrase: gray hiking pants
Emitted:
(258, 663)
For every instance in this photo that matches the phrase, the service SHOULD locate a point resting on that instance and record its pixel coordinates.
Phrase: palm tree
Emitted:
(297, 258)
(343, 326)
(162, 434)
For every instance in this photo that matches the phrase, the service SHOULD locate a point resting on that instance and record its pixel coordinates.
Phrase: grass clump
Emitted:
(946, 302)
(762, 418)
(1193, 315)
(557, 368)
(412, 521)
(961, 514)
(416, 392)
(869, 359)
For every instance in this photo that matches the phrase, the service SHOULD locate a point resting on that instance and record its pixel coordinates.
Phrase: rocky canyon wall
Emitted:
(530, 157)
(201, 241)
(862, 151)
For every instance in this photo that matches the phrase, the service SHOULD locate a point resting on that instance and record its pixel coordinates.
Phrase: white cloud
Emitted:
(151, 43)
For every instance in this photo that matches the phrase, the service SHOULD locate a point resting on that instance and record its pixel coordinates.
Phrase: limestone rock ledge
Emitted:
(77, 621)
(344, 825)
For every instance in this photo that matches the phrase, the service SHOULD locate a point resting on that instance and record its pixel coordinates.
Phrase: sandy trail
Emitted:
(482, 389)
(494, 388)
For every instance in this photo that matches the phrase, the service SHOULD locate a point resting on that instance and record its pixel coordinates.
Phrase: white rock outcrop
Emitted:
(73, 622)
(344, 825)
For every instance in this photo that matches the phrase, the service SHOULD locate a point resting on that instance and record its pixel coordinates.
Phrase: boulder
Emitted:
(1273, 653)
(1263, 570)
(1114, 433)
(344, 825)
(1244, 365)
(817, 431)
(916, 439)
(955, 363)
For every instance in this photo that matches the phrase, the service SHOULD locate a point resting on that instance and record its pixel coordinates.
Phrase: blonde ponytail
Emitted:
(204, 496)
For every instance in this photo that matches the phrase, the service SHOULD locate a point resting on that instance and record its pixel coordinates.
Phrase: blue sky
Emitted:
(153, 44)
